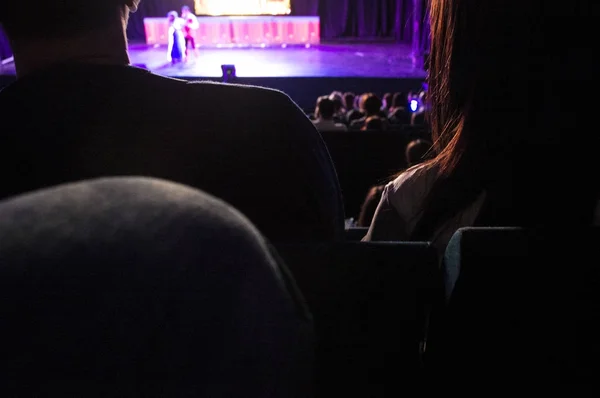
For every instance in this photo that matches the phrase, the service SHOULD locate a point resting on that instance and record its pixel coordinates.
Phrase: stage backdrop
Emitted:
(242, 7)
(340, 19)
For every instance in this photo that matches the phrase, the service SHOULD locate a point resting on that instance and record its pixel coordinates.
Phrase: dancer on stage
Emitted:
(176, 50)
(191, 24)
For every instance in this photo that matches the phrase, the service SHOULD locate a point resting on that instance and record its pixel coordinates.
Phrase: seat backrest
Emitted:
(521, 305)
(355, 234)
(142, 287)
(369, 301)
(364, 160)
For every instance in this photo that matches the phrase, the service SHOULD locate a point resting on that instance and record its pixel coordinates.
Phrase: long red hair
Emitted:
(498, 117)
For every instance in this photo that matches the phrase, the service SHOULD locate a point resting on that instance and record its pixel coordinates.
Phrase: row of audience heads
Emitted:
(348, 106)
(372, 104)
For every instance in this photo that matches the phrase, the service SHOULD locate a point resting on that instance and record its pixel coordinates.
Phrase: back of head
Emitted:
(400, 100)
(37, 19)
(494, 59)
(371, 104)
(349, 100)
(336, 95)
(418, 151)
(326, 109)
(338, 101)
(150, 289)
(374, 123)
(388, 99)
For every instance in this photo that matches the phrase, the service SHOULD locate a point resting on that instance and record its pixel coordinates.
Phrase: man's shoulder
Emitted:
(250, 96)
(236, 88)
(217, 92)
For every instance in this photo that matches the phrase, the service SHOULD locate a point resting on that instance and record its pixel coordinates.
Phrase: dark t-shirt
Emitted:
(251, 146)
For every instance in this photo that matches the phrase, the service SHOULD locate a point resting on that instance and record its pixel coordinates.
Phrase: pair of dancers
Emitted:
(181, 35)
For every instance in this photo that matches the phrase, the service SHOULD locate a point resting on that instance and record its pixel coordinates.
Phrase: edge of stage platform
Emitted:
(243, 31)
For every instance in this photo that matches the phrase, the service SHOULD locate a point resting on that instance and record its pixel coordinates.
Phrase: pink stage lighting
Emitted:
(242, 7)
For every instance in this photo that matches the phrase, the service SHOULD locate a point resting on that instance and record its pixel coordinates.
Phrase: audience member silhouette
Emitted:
(82, 111)
(374, 123)
(488, 63)
(417, 151)
(324, 114)
(370, 106)
(353, 111)
(399, 113)
(388, 101)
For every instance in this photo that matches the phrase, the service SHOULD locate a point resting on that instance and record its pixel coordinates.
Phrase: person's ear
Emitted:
(132, 5)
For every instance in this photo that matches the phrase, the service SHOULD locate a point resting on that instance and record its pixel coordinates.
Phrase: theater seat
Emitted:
(355, 234)
(370, 303)
(522, 306)
(137, 287)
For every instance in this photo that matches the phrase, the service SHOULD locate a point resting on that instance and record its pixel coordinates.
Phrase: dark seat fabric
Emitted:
(370, 302)
(522, 306)
(142, 287)
(355, 234)
(250, 146)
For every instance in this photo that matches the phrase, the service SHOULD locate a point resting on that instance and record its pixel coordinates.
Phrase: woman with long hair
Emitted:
(176, 51)
(502, 117)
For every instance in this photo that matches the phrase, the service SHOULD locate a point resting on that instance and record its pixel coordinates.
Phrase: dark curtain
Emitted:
(340, 19)
(5, 51)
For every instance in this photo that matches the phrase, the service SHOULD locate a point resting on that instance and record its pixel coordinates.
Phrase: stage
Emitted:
(302, 71)
(322, 60)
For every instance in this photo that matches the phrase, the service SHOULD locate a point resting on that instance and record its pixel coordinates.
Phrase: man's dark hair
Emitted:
(372, 104)
(55, 18)
(374, 123)
(326, 108)
(388, 98)
(349, 100)
(417, 151)
(400, 100)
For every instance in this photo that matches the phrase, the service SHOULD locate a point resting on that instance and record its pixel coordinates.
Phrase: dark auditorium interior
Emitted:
(298, 198)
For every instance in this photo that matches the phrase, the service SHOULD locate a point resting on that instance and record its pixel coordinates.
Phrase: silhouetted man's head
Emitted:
(388, 99)
(37, 19)
(326, 109)
(349, 100)
(374, 123)
(400, 100)
(417, 151)
(371, 104)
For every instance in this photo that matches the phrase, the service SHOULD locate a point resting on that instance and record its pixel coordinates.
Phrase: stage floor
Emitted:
(323, 60)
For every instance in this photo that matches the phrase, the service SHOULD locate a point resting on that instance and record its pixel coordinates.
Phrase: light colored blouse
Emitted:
(398, 211)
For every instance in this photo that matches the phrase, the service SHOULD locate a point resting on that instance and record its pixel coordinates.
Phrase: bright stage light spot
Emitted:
(414, 105)
(242, 7)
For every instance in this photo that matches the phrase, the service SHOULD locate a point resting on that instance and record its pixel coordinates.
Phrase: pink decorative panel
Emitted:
(243, 31)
